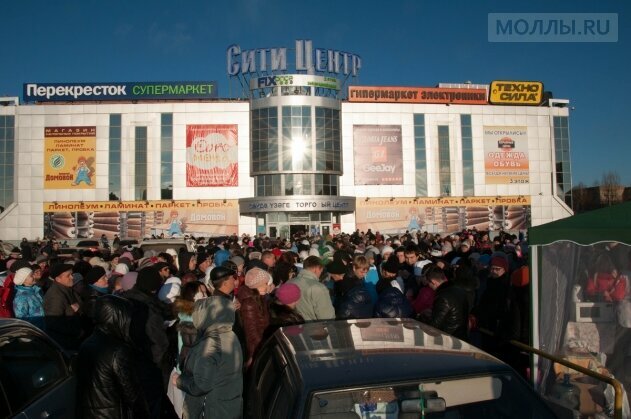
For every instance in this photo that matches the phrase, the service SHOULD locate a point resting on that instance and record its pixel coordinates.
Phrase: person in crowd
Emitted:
(450, 311)
(372, 276)
(148, 334)
(493, 306)
(282, 307)
(187, 262)
(352, 299)
(203, 268)
(212, 378)
(62, 309)
(106, 372)
(224, 281)
(187, 334)
(96, 281)
(28, 303)
(254, 313)
(172, 284)
(315, 302)
(390, 301)
(268, 258)
(26, 250)
(465, 277)
(283, 272)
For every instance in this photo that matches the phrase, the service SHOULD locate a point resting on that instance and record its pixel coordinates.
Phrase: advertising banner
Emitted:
(417, 95)
(378, 154)
(506, 155)
(442, 215)
(211, 155)
(516, 93)
(71, 92)
(295, 80)
(69, 157)
(138, 219)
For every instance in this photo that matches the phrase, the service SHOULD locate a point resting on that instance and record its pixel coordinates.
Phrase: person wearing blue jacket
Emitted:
(28, 303)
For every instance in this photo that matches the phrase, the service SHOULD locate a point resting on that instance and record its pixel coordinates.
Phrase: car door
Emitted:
(35, 376)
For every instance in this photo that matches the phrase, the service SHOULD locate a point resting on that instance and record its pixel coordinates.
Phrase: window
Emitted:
(328, 144)
(7, 151)
(467, 155)
(29, 367)
(297, 150)
(562, 159)
(115, 157)
(140, 179)
(264, 140)
(166, 156)
(420, 155)
(444, 164)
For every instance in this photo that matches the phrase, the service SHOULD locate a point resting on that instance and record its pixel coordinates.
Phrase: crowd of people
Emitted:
(173, 334)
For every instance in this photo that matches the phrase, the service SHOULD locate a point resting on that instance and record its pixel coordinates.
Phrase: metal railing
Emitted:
(617, 385)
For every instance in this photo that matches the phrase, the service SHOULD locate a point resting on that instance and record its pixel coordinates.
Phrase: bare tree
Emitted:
(610, 188)
(580, 198)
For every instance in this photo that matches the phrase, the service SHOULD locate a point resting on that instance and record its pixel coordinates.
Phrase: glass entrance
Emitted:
(286, 225)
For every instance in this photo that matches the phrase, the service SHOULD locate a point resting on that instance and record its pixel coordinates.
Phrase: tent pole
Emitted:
(534, 273)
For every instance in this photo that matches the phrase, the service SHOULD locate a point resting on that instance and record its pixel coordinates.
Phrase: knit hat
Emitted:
(97, 261)
(238, 260)
(255, 255)
(41, 258)
(121, 269)
(336, 267)
(129, 280)
(21, 275)
(288, 293)
(391, 265)
(256, 277)
(59, 268)
(94, 274)
(386, 249)
(500, 262)
(149, 280)
(369, 254)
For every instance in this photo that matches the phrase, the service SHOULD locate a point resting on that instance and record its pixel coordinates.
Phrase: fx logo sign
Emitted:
(275, 81)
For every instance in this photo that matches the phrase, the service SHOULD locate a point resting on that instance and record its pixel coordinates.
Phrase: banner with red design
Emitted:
(211, 155)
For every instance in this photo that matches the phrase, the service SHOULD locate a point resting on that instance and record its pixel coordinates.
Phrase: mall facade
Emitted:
(303, 148)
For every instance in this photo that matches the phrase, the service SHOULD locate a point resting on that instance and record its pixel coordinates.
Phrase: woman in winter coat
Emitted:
(186, 336)
(212, 377)
(28, 303)
(352, 299)
(254, 313)
(107, 384)
(282, 308)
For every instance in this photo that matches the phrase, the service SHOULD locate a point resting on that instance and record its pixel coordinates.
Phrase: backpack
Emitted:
(7, 292)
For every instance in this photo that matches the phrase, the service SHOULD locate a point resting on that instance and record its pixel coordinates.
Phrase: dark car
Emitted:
(36, 379)
(383, 368)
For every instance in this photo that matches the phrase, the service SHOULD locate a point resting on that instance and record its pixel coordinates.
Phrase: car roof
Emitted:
(332, 354)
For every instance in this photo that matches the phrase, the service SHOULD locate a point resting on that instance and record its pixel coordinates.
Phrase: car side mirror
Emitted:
(44, 376)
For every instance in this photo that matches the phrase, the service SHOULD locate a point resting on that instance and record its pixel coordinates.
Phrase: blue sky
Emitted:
(409, 43)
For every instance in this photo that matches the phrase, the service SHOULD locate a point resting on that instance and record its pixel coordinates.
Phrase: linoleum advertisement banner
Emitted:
(378, 154)
(211, 155)
(139, 219)
(442, 215)
(506, 155)
(70, 157)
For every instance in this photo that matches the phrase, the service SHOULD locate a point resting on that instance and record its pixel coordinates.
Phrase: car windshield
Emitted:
(500, 395)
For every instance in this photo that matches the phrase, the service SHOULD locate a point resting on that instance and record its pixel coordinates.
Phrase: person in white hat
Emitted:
(28, 303)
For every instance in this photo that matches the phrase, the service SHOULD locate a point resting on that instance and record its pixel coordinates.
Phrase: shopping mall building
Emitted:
(302, 146)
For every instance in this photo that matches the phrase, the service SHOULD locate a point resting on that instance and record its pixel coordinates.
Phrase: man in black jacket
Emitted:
(450, 312)
(62, 307)
(108, 387)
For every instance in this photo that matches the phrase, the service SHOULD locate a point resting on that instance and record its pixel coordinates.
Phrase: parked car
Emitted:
(383, 368)
(36, 378)
(161, 245)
